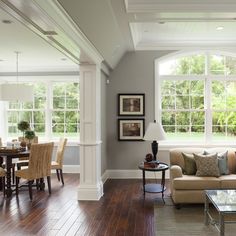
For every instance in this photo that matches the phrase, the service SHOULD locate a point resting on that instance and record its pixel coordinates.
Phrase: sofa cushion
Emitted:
(228, 181)
(176, 157)
(190, 182)
(222, 162)
(231, 157)
(190, 167)
(207, 165)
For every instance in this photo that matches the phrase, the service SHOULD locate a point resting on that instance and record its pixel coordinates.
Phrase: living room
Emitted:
(125, 45)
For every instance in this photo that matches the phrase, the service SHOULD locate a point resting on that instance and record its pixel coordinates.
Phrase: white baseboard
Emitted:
(132, 174)
(118, 174)
(105, 177)
(75, 169)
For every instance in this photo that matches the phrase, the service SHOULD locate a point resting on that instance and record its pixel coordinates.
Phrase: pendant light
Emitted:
(17, 91)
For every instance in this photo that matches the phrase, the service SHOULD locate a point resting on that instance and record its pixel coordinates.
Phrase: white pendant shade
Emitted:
(154, 132)
(16, 92)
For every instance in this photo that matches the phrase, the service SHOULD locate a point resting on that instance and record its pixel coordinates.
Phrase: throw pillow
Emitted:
(207, 165)
(222, 162)
(190, 167)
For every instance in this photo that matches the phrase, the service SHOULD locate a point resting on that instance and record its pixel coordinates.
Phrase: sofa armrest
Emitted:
(175, 172)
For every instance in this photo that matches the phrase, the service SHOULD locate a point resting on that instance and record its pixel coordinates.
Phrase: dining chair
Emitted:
(2, 178)
(58, 163)
(24, 161)
(39, 166)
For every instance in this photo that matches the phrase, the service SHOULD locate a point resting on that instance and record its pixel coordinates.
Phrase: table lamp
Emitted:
(154, 133)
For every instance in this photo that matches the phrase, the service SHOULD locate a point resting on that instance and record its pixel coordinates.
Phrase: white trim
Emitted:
(90, 143)
(48, 82)
(185, 45)
(71, 169)
(134, 174)
(105, 69)
(167, 147)
(148, 6)
(90, 192)
(207, 90)
(105, 177)
(71, 29)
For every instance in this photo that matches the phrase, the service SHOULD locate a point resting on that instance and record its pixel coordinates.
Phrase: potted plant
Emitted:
(23, 126)
(29, 134)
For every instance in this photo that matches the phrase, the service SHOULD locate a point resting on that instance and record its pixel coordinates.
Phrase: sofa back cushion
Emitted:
(207, 165)
(231, 157)
(176, 157)
(190, 167)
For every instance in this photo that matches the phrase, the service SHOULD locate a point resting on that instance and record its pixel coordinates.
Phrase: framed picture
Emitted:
(130, 129)
(131, 104)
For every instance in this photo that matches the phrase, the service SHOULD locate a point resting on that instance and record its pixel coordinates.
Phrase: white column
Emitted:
(90, 187)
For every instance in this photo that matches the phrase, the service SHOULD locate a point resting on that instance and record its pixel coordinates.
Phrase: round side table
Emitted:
(154, 187)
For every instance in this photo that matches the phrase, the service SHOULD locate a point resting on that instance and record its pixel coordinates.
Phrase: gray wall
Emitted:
(103, 124)
(134, 74)
(71, 155)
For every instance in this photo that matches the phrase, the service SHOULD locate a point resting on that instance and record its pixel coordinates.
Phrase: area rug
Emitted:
(186, 221)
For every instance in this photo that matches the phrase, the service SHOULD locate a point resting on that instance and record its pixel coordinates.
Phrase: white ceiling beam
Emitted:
(133, 6)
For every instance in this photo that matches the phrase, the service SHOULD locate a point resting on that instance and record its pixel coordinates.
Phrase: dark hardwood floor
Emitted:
(121, 211)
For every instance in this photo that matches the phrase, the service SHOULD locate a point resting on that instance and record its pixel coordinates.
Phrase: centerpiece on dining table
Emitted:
(23, 126)
(28, 134)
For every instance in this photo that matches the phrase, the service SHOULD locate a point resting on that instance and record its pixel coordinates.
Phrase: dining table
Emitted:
(8, 157)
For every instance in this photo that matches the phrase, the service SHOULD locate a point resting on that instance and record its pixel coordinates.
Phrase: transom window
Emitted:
(53, 113)
(197, 97)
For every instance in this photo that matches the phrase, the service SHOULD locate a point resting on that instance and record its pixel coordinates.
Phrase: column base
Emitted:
(90, 192)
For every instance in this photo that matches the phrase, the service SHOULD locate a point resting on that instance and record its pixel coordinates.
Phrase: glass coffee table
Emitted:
(224, 202)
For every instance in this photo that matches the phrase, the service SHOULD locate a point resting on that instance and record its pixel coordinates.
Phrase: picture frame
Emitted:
(131, 129)
(131, 104)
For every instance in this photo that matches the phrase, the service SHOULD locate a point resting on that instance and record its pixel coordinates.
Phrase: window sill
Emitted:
(168, 146)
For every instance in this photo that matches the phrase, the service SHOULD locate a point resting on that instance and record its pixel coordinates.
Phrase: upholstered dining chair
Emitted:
(24, 161)
(58, 163)
(2, 177)
(39, 166)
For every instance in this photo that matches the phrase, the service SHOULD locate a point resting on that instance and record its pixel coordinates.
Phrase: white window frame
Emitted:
(207, 96)
(49, 81)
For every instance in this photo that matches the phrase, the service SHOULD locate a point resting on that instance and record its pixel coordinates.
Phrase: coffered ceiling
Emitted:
(181, 24)
(114, 27)
(36, 55)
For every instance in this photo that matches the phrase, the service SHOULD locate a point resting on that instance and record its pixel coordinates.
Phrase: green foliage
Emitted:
(29, 134)
(65, 114)
(23, 126)
(186, 97)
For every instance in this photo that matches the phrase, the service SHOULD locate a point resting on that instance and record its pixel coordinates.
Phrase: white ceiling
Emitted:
(171, 24)
(117, 26)
(36, 54)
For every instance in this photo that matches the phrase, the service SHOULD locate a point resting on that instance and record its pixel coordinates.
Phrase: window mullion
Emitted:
(48, 115)
(208, 110)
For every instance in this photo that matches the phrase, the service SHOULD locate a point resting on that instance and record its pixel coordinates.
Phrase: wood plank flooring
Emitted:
(122, 211)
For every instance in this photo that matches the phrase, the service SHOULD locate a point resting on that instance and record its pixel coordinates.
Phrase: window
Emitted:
(33, 112)
(53, 113)
(65, 115)
(197, 97)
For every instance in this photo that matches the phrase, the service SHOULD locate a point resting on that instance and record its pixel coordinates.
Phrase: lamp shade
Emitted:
(16, 92)
(154, 132)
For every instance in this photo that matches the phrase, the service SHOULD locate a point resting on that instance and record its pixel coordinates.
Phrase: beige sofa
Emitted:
(190, 188)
